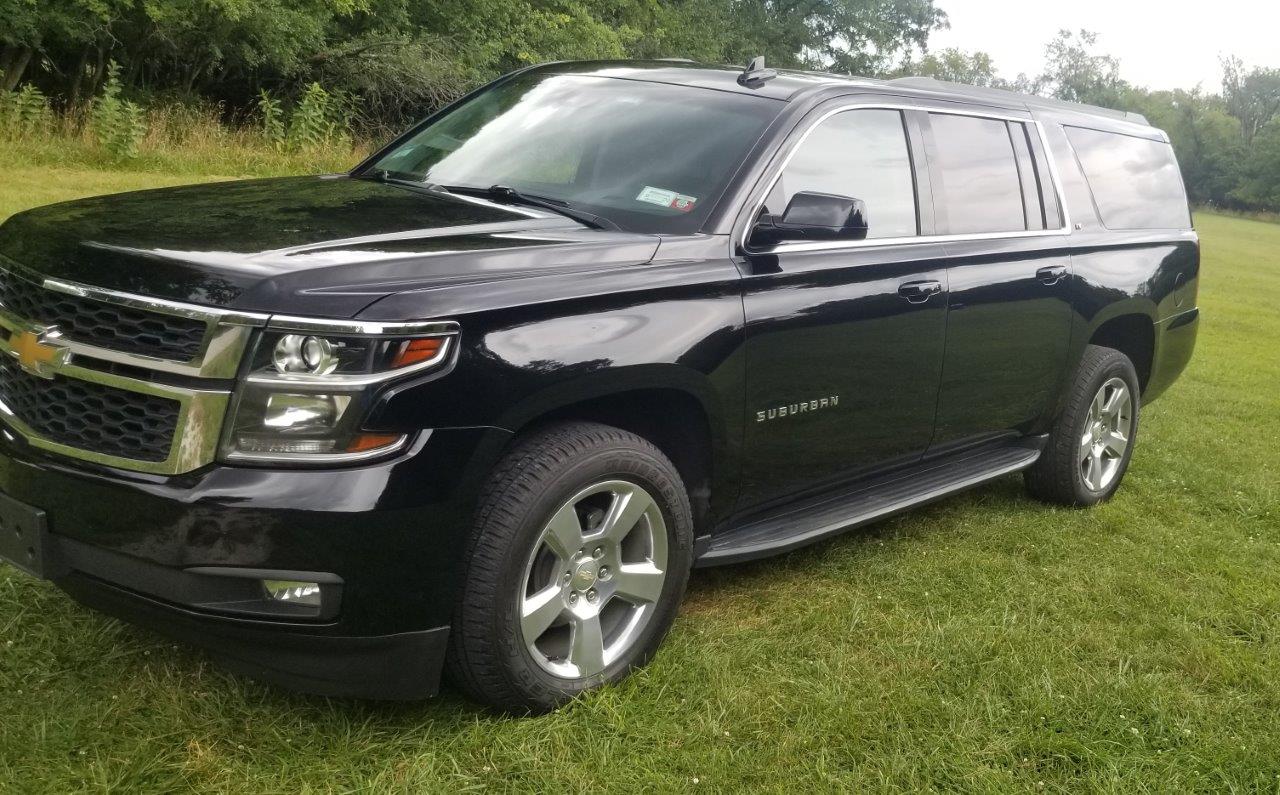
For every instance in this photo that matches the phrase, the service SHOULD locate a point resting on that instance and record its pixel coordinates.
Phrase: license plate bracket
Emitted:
(24, 538)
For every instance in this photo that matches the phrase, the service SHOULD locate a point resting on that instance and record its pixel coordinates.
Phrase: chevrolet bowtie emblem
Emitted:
(37, 353)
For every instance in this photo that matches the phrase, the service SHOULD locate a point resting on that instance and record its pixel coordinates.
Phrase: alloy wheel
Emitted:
(594, 579)
(1105, 438)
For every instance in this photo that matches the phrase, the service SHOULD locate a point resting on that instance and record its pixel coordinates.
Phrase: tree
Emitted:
(1074, 73)
(956, 66)
(1260, 181)
(1252, 96)
(848, 36)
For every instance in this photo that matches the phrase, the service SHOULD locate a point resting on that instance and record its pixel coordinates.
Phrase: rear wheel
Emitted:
(580, 556)
(1091, 444)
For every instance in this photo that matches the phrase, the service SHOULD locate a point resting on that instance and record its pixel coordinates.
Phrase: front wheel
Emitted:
(1091, 444)
(577, 565)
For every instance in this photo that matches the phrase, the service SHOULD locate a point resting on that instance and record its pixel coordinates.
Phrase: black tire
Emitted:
(1059, 476)
(488, 658)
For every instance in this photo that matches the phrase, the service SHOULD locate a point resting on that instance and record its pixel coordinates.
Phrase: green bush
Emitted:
(318, 121)
(271, 115)
(314, 121)
(24, 113)
(118, 124)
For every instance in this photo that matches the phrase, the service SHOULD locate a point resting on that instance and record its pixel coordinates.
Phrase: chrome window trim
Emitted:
(772, 181)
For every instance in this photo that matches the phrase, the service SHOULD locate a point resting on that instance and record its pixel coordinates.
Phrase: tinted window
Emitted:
(861, 154)
(651, 157)
(981, 189)
(1135, 181)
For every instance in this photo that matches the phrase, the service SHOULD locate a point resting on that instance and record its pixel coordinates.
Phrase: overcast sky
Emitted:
(1172, 44)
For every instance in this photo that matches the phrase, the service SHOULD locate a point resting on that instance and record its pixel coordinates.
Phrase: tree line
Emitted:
(387, 62)
(1228, 141)
(400, 56)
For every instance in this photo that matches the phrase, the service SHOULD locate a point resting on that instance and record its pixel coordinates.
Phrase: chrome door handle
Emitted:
(1051, 274)
(919, 292)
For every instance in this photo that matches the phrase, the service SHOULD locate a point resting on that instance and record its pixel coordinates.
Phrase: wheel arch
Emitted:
(677, 411)
(1134, 335)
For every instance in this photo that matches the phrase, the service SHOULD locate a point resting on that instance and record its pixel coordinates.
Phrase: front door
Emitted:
(845, 339)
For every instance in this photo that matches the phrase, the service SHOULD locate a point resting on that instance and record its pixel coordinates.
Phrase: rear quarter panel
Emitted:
(1151, 273)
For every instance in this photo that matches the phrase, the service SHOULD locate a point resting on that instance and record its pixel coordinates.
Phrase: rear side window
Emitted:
(1135, 181)
(977, 166)
(861, 154)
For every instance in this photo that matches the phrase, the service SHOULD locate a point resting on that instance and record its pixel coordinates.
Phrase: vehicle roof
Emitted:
(792, 84)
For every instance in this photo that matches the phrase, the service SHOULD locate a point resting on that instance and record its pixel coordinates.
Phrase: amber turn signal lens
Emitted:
(365, 442)
(415, 351)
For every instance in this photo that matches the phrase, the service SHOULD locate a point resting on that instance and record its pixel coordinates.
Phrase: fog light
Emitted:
(303, 593)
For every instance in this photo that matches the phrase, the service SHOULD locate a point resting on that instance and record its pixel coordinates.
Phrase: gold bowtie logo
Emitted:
(36, 354)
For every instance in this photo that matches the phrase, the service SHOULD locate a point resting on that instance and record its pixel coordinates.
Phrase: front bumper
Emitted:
(144, 548)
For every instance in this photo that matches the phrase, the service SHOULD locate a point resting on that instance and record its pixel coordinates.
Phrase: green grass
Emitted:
(987, 642)
(63, 165)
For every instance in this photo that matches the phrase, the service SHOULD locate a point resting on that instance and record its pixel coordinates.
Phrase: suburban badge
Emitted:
(803, 407)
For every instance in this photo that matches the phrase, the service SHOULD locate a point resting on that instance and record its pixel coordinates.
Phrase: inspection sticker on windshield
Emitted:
(667, 198)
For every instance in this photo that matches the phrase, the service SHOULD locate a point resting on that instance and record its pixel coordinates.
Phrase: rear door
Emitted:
(844, 339)
(1009, 267)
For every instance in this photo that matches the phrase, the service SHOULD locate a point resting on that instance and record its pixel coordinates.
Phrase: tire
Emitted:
(1092, 442)
(578, 519)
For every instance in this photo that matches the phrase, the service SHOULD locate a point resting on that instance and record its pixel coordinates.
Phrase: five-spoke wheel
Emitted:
(1092, 440)
(576, 567)
(1106, 437)
(593, 579)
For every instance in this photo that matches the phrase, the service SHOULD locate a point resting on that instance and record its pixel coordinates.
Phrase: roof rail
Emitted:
(755, 75)
(1001, 94)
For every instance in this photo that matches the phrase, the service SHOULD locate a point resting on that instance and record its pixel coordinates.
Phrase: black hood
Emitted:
(311, 245)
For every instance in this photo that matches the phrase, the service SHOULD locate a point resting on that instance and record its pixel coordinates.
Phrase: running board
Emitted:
(832, 513)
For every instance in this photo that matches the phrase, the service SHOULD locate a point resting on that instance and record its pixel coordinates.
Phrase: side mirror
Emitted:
(815, 216)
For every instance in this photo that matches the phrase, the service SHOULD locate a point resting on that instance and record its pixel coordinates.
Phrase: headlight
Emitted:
(310, 385)
(296, 353)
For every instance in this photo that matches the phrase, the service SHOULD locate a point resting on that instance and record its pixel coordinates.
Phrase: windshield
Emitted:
(648, 156)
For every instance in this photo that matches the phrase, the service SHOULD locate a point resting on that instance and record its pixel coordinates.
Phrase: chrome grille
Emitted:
(116, 379)
(104, 325)
(88, 416)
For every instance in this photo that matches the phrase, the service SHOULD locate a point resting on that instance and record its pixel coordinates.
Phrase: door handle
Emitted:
(1051, 274)
(919, 292)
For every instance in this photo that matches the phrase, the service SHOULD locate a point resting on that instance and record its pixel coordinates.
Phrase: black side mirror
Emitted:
(815, 216)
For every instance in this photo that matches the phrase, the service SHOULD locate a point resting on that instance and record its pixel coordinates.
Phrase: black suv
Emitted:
(481, 403)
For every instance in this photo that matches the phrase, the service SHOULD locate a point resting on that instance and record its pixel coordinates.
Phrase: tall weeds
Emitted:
(117, 134)
(118, 123)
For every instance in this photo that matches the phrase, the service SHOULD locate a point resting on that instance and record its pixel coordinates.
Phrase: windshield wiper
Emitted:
(383, 175)
(502, 193)
(498, 193)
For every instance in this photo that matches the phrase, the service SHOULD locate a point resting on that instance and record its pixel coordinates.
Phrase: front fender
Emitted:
(518, 364)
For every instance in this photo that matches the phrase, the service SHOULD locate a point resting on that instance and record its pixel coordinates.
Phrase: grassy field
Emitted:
(985, 643)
